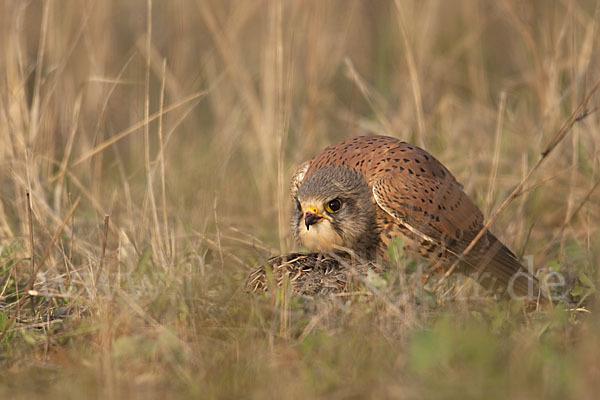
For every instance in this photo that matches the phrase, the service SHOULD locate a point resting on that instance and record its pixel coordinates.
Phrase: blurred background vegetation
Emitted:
(182, 121)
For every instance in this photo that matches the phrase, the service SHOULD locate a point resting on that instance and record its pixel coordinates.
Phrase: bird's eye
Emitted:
(333, 206)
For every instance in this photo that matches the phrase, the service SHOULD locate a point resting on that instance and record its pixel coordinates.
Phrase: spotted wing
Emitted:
(440, 213)
(435, 210)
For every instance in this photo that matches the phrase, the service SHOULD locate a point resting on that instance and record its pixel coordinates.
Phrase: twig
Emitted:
(57, 234)
(220, 250)
(104, 240)
(576, 116)
(369, 95)
(138, 125)
(543, 182)
(522, 251)
(72, 241)
(356, 293)
(496, 161)
(34, 293)
(162, 158)
(570, 218)
(31, 247)
(149, 176)
(412, 71)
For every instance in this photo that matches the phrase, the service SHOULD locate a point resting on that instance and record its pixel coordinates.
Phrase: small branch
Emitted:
(70, 259)
(576, 116)
(162, 158)
(104, 240)
(573, 215)
(496, 161)
(57, 234)
(31, 247)
(138, 125)
(30, 226)
(35, 293)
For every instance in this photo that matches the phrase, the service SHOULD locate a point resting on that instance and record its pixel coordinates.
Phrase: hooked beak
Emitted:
(312, 216)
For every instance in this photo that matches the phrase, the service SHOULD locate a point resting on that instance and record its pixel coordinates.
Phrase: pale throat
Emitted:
(320, 237)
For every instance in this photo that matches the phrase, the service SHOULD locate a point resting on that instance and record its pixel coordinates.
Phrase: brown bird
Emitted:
(362, 193)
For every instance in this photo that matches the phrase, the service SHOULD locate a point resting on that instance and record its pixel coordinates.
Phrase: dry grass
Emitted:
(156, 140)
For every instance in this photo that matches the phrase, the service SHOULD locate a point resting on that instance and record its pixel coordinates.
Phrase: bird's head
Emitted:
(334, 209)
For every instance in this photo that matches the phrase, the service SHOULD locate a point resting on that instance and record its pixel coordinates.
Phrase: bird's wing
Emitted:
(435, 209)
(438, 211)
(298, 177)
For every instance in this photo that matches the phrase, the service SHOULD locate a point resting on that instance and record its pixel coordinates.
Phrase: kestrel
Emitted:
(362, 193)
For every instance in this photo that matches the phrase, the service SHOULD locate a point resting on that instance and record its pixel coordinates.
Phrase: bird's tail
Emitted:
(495, 267)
